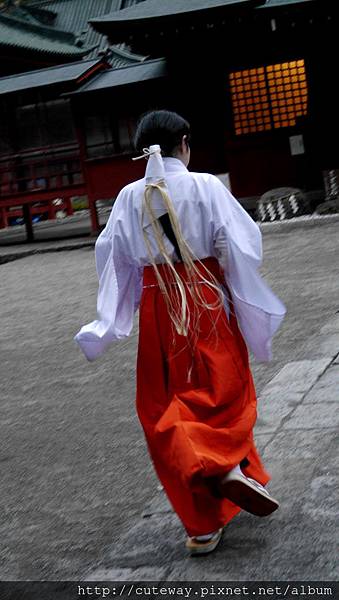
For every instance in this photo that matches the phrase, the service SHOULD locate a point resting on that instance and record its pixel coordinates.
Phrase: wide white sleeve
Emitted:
(118, 294)
(238, 244)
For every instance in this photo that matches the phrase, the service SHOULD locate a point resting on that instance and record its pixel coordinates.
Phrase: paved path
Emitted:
(75, 473)
(296, 433)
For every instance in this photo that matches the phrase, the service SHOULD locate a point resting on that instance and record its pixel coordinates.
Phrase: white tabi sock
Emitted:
(237, 470)
(206, 537)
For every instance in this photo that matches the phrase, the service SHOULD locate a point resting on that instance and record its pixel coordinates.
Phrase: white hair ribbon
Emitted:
(155, 174)
(155, 170)
(148, 151)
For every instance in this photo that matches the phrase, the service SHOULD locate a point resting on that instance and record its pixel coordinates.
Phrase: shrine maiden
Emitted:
(179, 247)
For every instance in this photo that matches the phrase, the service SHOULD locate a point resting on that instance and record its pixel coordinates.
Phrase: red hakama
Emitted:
(200, 426)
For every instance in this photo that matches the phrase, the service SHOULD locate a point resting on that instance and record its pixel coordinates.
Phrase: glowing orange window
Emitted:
(270, 91)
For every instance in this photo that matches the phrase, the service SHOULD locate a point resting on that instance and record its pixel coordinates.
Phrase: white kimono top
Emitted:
(214, 224)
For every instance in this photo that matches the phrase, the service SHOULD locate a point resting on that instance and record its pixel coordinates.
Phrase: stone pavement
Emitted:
(75, 472)
(296, 434)
(17, 251)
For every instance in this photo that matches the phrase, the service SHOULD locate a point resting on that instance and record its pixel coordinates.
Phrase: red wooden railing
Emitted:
(37, 178)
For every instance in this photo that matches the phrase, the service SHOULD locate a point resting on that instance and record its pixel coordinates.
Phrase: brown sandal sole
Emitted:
(248, 497)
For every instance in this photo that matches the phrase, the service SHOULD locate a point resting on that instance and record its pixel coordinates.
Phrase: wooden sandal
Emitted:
(248, 494)
(196, 546)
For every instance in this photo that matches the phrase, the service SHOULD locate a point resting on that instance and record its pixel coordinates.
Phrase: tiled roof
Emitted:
(152, 69)
(152, 9)
(73, 16)
(28, 35)
(121, 25)
(71, 72)
(273, 3)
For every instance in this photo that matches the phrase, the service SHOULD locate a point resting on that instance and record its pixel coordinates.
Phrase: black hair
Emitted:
(161, 127)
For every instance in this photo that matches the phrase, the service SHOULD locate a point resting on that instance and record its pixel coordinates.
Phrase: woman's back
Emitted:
(207, 221)
(192, 198)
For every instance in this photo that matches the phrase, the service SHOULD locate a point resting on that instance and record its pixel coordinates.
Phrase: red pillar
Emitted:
(80, 131)
(26, 209)
(3, 217)
(51, 210)
(69, 206)
(95, 225)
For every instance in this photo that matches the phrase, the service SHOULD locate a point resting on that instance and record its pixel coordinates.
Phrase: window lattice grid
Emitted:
(250, 100)
(268, 97)
(288, 92)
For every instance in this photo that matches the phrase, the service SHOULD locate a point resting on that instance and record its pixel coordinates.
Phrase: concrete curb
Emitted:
(298, 223)
(17, 254)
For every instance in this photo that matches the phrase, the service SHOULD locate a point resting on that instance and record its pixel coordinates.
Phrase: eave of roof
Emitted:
(118, 56)
(156, 11)
(277, 3)
(15, 33)
(69, 73)
(151, 69)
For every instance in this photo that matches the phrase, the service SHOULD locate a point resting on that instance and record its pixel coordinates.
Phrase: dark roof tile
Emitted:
(274, 3)
(32, 36)
(46, 77)
(152, 69)
(151, 9)
(73, 15)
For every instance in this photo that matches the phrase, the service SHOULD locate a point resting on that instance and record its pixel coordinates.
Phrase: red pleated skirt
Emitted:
(197, 408)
